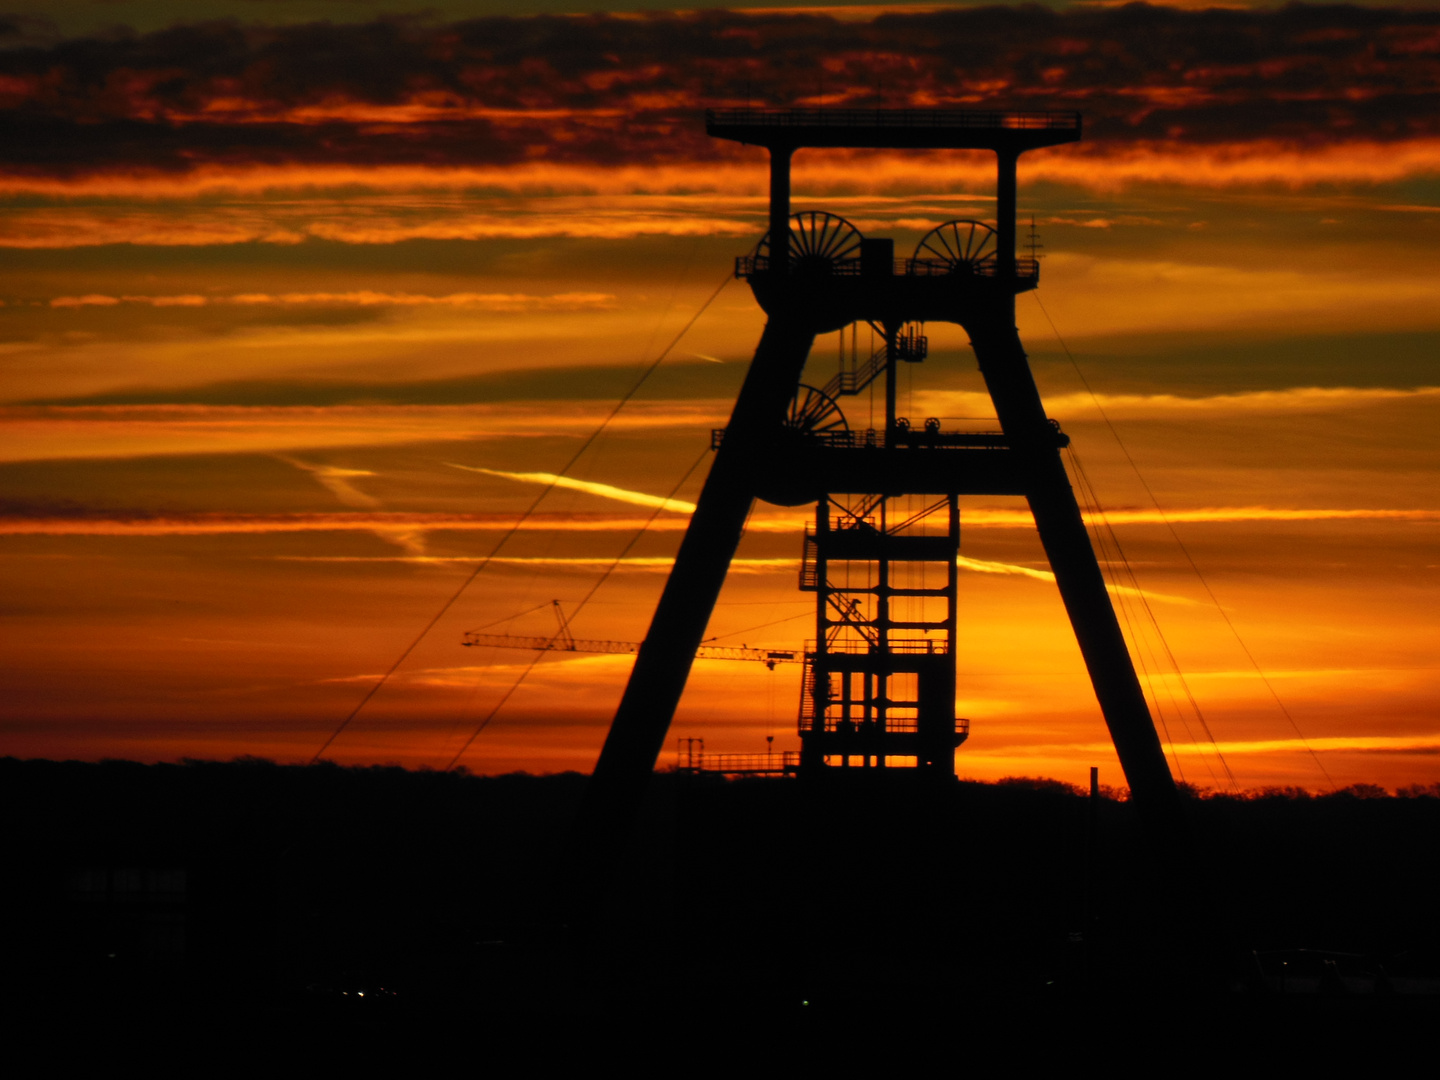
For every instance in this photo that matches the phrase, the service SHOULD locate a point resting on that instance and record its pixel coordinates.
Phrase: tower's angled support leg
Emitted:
(1077, 573)
(662, 666)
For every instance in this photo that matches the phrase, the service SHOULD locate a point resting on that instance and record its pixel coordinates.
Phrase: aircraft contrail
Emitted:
(605, 491)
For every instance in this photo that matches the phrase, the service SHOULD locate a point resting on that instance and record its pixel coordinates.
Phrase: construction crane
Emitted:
(563, 641)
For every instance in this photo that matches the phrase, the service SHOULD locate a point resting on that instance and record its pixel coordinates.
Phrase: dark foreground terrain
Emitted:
(205, 892)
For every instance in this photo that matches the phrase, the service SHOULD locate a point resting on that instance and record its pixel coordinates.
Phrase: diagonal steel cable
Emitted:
(578, 607)
(1169, 525)
(529, 511)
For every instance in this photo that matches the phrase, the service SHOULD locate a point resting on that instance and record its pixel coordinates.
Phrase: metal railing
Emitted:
(905, 437)
(911, 346)
(901, 646)
(848, 440)
(859, 440)
(787, 761)
(894, 725)
(938, 439)
(1026, 269)
(984, 119)
(854, 380)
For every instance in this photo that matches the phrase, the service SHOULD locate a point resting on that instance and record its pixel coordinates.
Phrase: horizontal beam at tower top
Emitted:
(895, 129)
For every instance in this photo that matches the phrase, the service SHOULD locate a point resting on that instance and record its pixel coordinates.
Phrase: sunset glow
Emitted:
(290, 348)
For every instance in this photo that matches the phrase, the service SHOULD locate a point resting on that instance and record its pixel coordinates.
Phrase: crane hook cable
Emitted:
(518, 615)
(762, 626)
(583, 601)
(529, 511)
(1186, 551)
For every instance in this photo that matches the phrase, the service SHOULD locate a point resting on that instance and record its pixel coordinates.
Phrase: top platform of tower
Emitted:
(894, 129)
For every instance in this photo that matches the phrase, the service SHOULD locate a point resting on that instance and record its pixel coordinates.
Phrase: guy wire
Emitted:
(1141, 643)
(1097, 518)
(576, 611)
(529, 511)
(1169, 525)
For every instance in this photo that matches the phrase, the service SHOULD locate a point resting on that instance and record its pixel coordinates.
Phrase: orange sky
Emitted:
(262, 412)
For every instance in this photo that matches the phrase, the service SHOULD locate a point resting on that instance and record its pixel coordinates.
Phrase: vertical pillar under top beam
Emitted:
(892, 379)
(780, 209)
(1005, 210)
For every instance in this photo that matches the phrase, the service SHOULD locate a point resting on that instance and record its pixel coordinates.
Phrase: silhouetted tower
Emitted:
(787, 443)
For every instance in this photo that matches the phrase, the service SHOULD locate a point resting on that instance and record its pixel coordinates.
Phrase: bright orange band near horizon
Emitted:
(1105, 168)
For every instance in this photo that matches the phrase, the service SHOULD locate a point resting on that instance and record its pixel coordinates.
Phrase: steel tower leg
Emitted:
(662, 665)
(1082, 587)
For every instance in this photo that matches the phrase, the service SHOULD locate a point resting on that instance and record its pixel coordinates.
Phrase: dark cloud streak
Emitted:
(607, 90)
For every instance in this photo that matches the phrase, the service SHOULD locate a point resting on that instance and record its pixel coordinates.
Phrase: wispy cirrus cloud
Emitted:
(337, 480)
(439, 206)
(1292, 400)
(355, 298)
(410, 531)
(662, 564)
(650, 564)
(982, 518)
(1421, 743)
(39, 522)
(383, 522)
(986, 566)
(51, 433)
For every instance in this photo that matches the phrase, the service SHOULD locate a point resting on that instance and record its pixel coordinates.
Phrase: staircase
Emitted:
(807, 693)
(809, 570)
(910, 346)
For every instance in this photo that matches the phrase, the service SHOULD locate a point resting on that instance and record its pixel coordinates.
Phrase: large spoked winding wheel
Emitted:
(820, 244)
(814, 412)
(963, 247)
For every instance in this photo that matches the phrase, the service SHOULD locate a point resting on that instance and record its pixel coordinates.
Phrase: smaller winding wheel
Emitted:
(963, 246)
(819, 243)
(814, 412)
